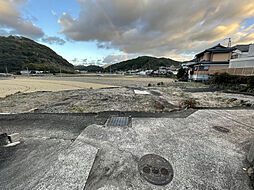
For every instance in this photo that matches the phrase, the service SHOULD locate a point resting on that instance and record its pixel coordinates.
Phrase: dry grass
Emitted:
(12, 86)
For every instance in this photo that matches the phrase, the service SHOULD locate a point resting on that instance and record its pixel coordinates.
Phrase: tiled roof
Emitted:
(217, 49)
(242, 48)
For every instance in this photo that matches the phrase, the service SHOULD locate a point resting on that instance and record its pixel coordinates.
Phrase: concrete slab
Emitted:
(71, 169)
(202, 157)
(24, 165)
(44, 137)
(141, 92)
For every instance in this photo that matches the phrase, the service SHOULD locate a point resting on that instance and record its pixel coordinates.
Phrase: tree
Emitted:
(182, 74)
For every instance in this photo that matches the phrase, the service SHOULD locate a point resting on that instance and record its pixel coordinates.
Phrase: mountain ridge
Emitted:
(144, 63)
(18, 53)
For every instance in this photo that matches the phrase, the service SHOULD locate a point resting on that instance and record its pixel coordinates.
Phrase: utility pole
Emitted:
(27, 71)
(6, 69)
(61, 71)
(229, 42)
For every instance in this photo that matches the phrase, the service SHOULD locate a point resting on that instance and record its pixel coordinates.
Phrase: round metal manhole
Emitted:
(155, 169)
(221, 129)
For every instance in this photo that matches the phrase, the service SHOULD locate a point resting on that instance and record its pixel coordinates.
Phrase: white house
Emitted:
(243, 59)
(25, 72)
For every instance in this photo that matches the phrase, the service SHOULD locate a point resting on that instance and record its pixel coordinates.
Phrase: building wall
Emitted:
(242, 62)
(235, 71)
(217, 67)
(205, 75)
(200, 77)
(221, 56)
(251, 51)
(206, 57)
(201, 72)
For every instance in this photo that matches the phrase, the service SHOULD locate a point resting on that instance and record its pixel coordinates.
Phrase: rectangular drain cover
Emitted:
(118, 122)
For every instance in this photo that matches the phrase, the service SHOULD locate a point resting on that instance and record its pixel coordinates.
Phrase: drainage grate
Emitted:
(221, 129)
(155, 169)
(118, 122)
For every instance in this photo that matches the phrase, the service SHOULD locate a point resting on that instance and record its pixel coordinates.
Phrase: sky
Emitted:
(103, 32)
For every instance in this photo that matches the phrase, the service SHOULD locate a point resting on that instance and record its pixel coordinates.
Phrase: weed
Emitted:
(189, 103)
(77, 109)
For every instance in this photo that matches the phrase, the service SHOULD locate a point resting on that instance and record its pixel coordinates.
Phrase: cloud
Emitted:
(53, 40)
(11, 18)
(160, 28)
(4, 32)
(114, 58)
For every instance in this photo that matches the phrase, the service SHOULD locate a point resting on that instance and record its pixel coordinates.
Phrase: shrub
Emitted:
(160, 84)
(233, 82)
(182, 74)
(225, 78)
(159, 105)
(250, 82)
(189, 103)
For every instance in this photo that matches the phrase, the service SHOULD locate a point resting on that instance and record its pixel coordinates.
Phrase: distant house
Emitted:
(25, 72)
(168, 70)
(142, 73)
(6, 75)
(132, 72)
(215, 58)
(38, 72)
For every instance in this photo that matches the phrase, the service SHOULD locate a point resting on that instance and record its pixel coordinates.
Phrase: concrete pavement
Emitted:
(202, 156)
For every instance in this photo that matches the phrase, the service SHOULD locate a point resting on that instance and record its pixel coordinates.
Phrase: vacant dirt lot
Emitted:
(110, 93)
(117, 80)
(28, 85)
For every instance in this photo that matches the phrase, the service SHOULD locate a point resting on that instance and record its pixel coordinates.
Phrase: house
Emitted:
(215, 58)
(187, 65)
(38, 72)
(6, 75)
(168, 70)
(25, 72)
(240, 51)
(132, 72)
(242, 62)
(162, 70)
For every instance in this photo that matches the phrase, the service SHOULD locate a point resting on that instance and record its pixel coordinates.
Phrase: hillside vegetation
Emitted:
(90, 68)
(143, 63)
(17, 53)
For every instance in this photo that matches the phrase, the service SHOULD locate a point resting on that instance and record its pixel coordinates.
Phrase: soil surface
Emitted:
(118, 93)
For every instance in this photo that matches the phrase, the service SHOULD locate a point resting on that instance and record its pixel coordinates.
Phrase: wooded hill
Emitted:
(18, 53)
(144, 63)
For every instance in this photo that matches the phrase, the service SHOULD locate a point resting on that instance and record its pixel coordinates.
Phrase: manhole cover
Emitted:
(155, 169)
(118, 122)
(221, 129)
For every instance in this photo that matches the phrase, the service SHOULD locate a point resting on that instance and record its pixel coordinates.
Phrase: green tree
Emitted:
(182, 74)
